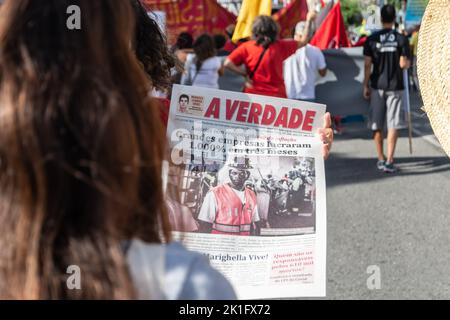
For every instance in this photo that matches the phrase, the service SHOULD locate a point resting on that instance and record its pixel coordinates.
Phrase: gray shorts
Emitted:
(386, 109)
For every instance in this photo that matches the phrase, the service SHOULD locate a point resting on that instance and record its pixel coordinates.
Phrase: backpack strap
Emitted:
(252, 74)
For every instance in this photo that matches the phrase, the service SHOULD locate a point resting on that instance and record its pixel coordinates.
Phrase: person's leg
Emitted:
(394, 122)
(377, 116)
(391, 144)
(378, 138)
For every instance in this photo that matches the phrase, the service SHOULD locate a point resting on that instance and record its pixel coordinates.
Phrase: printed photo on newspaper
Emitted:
(246, 187)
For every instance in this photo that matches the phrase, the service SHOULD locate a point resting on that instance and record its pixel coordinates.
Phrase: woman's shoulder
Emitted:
(214, 61)
(200, 279)
(247, 45)
(185, 275)
(286, 42)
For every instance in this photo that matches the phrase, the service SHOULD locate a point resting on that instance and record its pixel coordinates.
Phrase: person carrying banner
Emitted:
(263, 57)
(388, 52)
(301, 69)
(231, 208)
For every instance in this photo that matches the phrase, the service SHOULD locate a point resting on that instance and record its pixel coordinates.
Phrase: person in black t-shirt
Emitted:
(388, 52)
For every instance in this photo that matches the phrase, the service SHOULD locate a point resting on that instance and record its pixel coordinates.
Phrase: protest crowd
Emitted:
(83, 120)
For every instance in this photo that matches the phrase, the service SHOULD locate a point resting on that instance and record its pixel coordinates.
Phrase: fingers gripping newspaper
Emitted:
(246, 188)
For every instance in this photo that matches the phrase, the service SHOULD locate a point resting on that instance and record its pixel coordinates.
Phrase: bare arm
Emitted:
(405, 53)
(304, 38)
(221, 71)
(367, 72)
(405, 63)
(231, 66)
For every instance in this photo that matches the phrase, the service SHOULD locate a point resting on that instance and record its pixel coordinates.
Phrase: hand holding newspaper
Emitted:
(247, 181)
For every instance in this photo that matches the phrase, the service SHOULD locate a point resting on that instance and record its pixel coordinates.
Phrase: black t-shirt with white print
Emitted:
(385, 47)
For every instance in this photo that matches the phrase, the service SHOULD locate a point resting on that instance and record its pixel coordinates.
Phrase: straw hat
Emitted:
(433, 68)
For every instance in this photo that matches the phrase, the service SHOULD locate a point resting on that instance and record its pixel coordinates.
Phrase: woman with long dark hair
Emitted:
(203, 68)
(150, 45)
(81, 147)
(151, 48)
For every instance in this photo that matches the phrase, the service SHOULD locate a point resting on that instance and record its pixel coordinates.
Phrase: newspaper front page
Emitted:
(246, 187)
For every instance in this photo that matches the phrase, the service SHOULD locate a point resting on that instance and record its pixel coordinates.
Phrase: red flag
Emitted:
(194, 16)
(288, 17)
(331, 33)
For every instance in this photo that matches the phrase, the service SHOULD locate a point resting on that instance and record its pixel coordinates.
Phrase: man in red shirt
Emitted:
(263, 57)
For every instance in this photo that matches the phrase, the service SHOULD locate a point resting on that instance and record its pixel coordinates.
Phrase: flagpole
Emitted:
(408, 107)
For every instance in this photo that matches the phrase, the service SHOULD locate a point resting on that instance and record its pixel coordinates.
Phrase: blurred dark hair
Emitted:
(81, 148)
(388, 13)
(204, 48)
(220, 40)
(151, 48)
(265, 31)
(184, 41)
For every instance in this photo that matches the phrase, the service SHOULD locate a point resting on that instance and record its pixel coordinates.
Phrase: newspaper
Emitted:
(246, 188)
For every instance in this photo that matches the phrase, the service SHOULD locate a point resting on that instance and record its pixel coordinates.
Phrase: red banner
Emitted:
(288, 17)
(332, 34)
(193, 16)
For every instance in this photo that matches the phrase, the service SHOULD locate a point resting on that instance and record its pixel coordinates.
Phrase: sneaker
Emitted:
(380, 164)
(389, 168)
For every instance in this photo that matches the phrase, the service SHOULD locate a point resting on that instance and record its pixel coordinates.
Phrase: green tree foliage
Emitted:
(351, 12)
(396, 3)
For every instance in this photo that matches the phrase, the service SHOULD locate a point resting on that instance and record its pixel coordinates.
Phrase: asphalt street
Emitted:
(397, 222)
